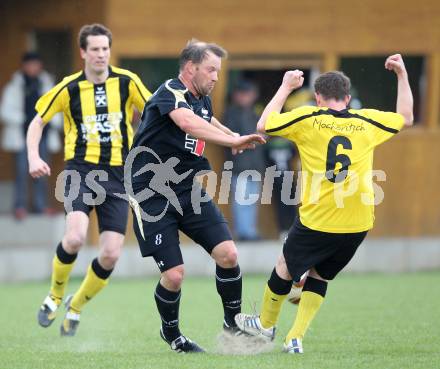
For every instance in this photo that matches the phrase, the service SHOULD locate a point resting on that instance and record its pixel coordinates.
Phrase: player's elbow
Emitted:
(409, 118)
(36, 124)
(260, 127)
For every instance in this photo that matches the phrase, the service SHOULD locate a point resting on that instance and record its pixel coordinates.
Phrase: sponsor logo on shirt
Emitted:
(101, 123)
(100, 97)
(205, 114)
(196, 146)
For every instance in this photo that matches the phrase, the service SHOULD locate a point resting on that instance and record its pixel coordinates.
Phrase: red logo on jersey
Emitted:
(196, 146)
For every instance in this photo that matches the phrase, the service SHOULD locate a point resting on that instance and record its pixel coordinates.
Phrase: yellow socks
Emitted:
(271, 308)
(62, 266)
(307, 309)
(96, 279)
(277, 290)
(275, 293)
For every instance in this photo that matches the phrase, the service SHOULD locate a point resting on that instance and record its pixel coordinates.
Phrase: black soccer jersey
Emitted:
(164, 139)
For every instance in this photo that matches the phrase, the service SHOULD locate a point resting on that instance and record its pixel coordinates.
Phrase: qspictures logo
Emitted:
(163, 177)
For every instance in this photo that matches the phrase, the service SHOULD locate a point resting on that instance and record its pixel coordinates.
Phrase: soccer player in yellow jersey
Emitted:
(336, 146)
(98, 104)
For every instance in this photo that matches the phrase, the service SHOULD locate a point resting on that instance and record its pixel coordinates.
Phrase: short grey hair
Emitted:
(195, 51)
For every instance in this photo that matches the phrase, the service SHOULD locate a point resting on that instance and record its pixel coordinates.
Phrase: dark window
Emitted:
(55, 48)
(376, 87)
(152, 71)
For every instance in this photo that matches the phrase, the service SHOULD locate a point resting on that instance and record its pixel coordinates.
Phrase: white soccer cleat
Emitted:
(294, 346)
(250, 324)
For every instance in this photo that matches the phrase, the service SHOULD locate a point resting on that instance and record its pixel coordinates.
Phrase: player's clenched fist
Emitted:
(395, 63)
(38, 168)
(293, 79)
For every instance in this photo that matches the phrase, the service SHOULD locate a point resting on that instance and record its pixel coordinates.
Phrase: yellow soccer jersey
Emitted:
(97, 117)
(336, 150)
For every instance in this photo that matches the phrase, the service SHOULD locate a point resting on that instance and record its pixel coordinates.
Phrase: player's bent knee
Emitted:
(173, 278)
(74, 241)
(231, 257)
(281, 262)
(110, 257)
(226, 254)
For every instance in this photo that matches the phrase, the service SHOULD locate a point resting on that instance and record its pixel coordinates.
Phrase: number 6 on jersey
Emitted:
(333, 159)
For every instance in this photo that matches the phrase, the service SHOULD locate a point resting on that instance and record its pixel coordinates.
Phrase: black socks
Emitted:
(229, 285)
(315, 285)
(278, 285)
(167, 303)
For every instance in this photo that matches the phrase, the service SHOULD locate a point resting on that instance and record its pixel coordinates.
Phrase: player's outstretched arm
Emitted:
(197, 127)
(405, 101)
(292, 80)
(37, 166)
(216, 123)
(226, 130)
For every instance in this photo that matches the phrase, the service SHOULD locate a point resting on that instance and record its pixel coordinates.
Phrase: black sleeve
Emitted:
(168, 99)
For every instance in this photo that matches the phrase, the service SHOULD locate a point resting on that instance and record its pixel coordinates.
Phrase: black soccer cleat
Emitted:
(182, 345)
(233, 330)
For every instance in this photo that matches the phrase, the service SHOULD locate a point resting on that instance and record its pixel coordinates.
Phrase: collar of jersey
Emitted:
(339, 113)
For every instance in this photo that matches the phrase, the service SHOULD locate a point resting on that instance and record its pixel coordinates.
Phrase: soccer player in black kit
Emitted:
(168, 151)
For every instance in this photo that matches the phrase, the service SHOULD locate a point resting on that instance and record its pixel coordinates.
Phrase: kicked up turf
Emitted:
(366, 321)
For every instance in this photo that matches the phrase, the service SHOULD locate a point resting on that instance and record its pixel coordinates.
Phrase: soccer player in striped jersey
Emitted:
(336, 146)
(98, 105)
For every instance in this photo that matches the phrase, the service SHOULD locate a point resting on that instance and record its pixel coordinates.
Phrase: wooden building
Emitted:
(259, 35)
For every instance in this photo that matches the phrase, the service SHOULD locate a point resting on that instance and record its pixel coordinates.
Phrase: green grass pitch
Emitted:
(367, 321)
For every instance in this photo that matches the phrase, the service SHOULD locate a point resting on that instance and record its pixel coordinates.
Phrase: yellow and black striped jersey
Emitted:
(97, 117)
(336, 150)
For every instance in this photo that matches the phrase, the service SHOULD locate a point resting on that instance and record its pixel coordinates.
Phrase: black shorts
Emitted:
(328, 253)
(160, 239)
(101, 193)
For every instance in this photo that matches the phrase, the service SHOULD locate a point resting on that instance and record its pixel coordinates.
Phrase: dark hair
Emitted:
(30, 56)
(196, 51)
(333, 85)
(245, 86)
(95, 29)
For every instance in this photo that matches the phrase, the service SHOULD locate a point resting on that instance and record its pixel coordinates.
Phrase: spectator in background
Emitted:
(280, 152)
(17, 109)
(240, 117)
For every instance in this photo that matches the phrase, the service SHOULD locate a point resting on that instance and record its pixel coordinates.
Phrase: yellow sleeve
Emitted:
(138, 92)
(51, 102)
(56, 99)
(387, 124)
(289, 123)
